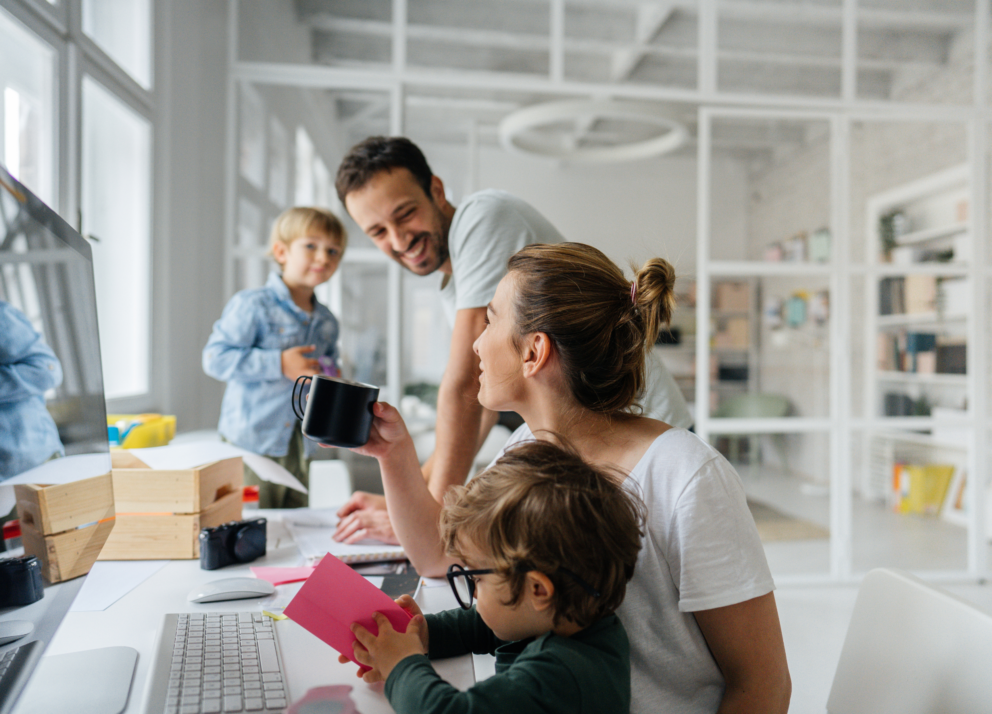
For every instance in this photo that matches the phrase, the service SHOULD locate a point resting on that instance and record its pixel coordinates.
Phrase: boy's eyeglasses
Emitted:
(462, 582)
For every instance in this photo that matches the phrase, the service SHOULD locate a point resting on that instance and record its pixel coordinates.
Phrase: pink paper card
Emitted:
(335, 596)
(281, 576)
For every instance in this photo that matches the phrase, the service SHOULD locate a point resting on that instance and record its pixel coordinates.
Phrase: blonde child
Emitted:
(269, 336)
(548, 544)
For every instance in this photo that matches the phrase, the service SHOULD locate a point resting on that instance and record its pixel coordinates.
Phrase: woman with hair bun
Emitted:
(565, 346)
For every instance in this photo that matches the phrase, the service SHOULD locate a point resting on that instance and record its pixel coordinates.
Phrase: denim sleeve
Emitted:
(232, 352)
(28, 367)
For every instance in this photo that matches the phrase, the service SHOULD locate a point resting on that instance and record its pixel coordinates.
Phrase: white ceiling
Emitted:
(790, 47)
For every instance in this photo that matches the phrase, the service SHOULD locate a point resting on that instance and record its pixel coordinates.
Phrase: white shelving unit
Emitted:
(934, 205)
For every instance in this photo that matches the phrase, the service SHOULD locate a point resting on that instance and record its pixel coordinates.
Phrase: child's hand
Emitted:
(295, 365)
(411, 606)
(383, 652)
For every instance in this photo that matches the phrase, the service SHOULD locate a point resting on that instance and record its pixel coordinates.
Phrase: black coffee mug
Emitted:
(338, 411)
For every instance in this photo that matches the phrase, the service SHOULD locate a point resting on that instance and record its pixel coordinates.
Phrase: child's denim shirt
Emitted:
(28, 368)
(245, 350)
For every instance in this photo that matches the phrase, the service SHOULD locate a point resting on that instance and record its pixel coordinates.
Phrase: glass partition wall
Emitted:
(838, 153)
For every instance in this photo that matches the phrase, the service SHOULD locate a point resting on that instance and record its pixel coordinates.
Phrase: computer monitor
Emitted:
(53, 421)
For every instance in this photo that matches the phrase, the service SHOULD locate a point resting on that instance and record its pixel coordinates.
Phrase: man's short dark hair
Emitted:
(377, 154)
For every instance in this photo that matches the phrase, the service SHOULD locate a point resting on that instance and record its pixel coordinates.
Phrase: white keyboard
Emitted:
(209, 663)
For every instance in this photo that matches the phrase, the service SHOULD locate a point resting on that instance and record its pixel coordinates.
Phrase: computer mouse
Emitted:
(11, 630)
(231, 589)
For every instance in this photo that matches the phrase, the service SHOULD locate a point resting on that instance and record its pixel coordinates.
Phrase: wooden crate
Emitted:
(62, 507)
(69, 554)
(139, 489)
(66, 525)
(172, 536)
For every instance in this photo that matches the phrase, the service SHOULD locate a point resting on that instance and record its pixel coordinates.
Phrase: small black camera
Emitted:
(20, 581)
(234, 542)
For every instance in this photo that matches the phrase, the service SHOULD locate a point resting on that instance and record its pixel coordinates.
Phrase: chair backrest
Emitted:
(753, 405)
(913, 648)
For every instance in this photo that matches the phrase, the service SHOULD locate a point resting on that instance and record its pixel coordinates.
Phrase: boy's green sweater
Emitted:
(587, 672)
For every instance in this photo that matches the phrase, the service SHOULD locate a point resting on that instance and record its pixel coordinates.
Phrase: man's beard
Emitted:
(435, 243)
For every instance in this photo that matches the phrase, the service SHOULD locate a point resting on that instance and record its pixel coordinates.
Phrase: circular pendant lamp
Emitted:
(556, 129)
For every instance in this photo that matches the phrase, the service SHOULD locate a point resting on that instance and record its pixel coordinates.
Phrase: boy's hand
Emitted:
(383, 652)
(295, 365)
(411, 606)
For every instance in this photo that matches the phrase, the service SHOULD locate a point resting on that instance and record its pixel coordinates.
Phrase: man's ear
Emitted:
(537, 352)
(539, 590)
(437, 191)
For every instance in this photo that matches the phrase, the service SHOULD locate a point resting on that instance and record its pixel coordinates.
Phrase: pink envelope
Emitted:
(281, 576)
(335, 596)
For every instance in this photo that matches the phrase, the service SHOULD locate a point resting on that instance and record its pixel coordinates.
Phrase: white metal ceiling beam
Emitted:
(624, 58)
(651, 17)
(556, 41)
(308, 75)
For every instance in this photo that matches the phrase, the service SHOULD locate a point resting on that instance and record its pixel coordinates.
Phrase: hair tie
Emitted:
(633, 292)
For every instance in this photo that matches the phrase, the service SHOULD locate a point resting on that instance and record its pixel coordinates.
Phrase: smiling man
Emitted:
(390, 191)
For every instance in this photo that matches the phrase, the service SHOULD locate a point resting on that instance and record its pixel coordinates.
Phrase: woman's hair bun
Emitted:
(655, 295)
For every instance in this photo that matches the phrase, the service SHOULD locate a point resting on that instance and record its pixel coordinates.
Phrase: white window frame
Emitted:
(78, 55)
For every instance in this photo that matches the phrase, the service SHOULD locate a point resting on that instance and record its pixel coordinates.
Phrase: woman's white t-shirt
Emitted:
(701, 551)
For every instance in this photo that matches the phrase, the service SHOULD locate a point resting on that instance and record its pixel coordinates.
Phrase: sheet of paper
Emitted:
(110, 580)
(196, 453)
(281, 576)
(336, 596)
(316, 541)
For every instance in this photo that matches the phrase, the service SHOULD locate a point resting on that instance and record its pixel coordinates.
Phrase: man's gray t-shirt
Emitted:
(491, 225)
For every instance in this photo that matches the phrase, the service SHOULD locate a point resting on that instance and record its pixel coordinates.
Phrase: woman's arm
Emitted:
(412, 509)
(746, 642)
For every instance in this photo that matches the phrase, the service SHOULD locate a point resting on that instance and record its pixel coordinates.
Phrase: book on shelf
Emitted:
(952, 357)
(920, 488)
(921, 353)
(920, 293)
(907, 295)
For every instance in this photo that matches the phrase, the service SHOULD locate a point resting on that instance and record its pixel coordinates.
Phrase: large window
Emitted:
(115, 201)
(76, 117)
(27, 84)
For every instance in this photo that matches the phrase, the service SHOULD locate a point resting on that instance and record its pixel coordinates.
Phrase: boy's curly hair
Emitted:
(541, 507)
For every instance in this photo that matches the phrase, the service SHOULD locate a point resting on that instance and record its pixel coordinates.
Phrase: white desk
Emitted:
(135, 619)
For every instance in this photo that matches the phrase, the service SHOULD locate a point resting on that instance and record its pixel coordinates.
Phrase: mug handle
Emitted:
(298, 407)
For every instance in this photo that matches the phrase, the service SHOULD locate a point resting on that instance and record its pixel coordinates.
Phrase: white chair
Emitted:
(913, 648)
(330, 483)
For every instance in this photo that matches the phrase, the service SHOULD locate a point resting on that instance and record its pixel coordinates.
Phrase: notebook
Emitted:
(315, 540)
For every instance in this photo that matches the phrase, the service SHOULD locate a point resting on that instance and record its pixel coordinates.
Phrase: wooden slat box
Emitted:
(160, 512)
(51, 519)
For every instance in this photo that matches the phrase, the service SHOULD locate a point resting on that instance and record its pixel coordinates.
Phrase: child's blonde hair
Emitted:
(541, 507)
(301, 221)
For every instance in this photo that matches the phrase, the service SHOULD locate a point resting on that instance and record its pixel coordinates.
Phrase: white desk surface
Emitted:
(135, 620)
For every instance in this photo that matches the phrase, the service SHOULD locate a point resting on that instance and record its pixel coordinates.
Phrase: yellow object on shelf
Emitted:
(140, 431)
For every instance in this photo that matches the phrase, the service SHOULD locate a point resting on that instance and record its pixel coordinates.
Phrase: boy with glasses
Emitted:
(549, 543)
